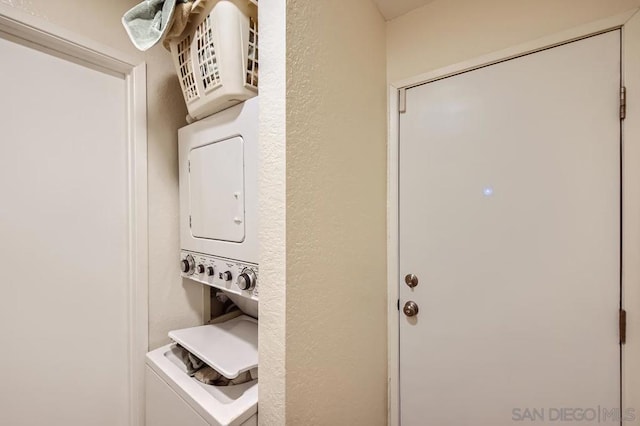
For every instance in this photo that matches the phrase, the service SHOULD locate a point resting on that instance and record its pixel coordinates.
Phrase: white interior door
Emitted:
(510, 218)
(64, 242)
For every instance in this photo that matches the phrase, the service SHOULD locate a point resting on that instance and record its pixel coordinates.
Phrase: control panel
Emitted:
(226, 274)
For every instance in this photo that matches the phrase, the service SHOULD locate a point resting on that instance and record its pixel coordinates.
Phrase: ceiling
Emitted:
(393, 8)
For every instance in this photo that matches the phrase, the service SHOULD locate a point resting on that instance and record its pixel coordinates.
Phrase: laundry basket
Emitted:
(217, 60)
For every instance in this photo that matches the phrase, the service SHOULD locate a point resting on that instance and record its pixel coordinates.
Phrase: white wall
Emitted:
(336, 214)
(323, 291)
(449, 31)
(272, 181)
(172, 302)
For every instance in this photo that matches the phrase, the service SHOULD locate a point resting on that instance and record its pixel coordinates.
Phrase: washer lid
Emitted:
(231, 347)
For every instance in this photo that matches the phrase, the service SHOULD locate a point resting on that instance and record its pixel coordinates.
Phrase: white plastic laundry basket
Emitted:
(217, 62)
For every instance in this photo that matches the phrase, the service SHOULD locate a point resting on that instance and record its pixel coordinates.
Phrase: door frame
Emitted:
(49, 38)
(629, 23)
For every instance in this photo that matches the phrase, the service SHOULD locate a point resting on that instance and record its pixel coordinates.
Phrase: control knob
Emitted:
(247, 279)
(226, 275)
(187, 265)
(209, 271)
(201, 269)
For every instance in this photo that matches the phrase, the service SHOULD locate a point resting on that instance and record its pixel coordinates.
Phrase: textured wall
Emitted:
(449, 31)
(336, 214)
(273, 291)
(172, 302)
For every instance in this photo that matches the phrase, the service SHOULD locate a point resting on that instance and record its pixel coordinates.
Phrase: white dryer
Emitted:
(218, 159)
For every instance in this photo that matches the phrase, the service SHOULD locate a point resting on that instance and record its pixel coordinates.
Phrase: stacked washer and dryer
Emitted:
(218, 159)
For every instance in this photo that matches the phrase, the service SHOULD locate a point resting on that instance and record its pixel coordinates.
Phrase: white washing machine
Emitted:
(218, 161)
(173, 398)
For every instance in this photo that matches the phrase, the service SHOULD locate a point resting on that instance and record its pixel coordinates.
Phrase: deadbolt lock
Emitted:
(410, 309)
(411, 280)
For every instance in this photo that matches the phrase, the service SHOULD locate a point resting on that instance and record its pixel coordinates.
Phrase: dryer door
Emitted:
(216, 191)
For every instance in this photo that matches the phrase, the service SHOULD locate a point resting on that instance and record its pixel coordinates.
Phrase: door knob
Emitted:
(410, 309)
(411, 280)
